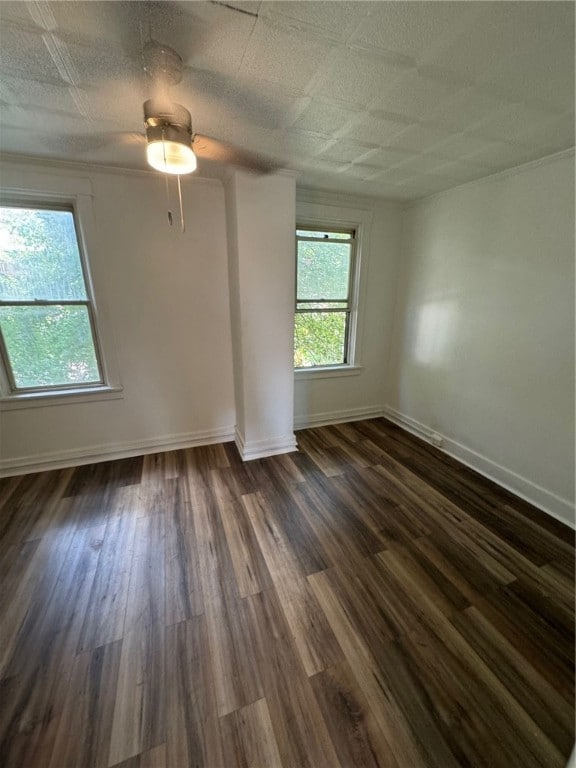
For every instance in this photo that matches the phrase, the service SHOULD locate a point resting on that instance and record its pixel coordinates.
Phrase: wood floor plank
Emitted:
(54, 593)
(146, 593)
(344, 543)
(38, 664)
(139, 721)
(338, 521)
(85, 726)
(312, 636)
(158, 467)
(105, 614)
(153, 758)
(27, 511)
(249, 566)
(277, 485)
(450, 521)
(357, 737)
(540, 750)
(300, 730)
(396, 729)
(329, 460)
(234, 669)
(183, 584)
(249, 737)
(365, 601)
(548, 709)
(472, 492)
(139, 709)
(192, 725)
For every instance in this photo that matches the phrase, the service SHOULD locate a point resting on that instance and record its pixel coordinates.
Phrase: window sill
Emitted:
(328, 372)
(59, 397)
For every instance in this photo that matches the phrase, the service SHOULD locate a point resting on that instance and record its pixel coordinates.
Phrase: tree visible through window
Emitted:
(324, 272)
(47, 336)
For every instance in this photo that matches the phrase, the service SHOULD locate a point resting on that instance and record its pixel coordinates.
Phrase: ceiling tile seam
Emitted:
(400, 61)
(295, 112)
(82, 102)
(368, 146)
(361, 21)
(61, 57)
(63, 62)
(42, 15)
(356, 123)
(76, 38)
(319, 79)
(349, 126)
(276, 20)
(32, 110)
(7, 94)
(20, 25)
(243, 57)
(40, 79)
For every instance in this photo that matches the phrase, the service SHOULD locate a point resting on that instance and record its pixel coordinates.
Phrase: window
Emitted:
(324, 297)
(47, 333)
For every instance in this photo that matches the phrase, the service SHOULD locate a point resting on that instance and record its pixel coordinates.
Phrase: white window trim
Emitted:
(76, 192)
(317, 216)
(328, 371)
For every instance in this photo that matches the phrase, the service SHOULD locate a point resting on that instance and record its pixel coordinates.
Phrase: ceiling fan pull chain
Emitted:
(183, 226)
(170, 220)
(168, 199)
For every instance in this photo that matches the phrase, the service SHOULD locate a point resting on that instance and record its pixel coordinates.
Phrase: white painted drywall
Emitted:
(261, 221)
(484, 338)
(166, 295)
(320, 399)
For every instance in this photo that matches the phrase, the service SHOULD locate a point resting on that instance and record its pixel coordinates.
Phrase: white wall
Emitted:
(484, 337)
(320, 398)
(480, 349)
(166, 295)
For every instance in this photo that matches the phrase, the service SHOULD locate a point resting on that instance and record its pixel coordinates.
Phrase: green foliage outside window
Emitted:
(48, 344)
(319, 339)
(322, 299)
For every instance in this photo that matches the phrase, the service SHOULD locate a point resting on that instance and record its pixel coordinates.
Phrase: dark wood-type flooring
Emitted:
(364, 602)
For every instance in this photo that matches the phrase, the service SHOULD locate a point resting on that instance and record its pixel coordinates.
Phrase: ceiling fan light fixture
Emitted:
(171, 157)
(169, 146)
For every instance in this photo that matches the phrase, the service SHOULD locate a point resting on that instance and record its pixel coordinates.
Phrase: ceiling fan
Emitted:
(171, 144)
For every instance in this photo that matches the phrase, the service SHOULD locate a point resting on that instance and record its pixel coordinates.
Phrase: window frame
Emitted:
(88, 303)
(351, 301)
(49, 190)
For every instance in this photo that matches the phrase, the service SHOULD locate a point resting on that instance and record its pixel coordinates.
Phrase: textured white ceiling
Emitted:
(393, 99)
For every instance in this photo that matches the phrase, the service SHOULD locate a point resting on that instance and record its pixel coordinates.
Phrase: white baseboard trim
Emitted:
(554, 505)
(260, 449)
(337, 417)
(97, 453)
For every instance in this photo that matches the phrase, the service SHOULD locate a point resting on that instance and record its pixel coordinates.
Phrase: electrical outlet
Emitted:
(436, 440)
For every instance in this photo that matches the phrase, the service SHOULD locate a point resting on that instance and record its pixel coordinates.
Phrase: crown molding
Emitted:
(342, 199)
(515, 170)
(36, 162)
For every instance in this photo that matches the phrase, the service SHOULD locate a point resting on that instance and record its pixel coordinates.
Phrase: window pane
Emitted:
(319, 339)
(323, 233)
(310, 304)
(323, 270)
(39, 257)
(49, 346)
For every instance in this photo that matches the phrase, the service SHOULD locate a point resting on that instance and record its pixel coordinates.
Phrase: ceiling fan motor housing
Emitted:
(162, 62)
(169, 137)
(173, 124)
